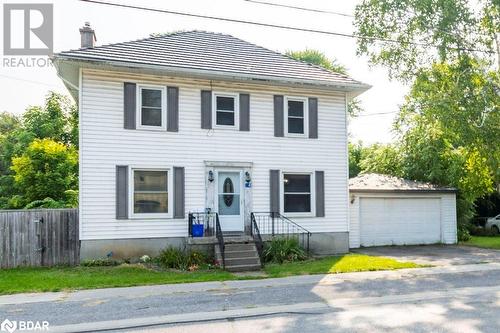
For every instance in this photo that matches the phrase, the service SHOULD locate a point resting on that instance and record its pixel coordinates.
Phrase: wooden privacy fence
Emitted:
(45, 237)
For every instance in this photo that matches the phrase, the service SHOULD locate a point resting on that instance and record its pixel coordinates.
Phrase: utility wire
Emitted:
(270, 25)
(328, 12)
(29, 81)
(300, 8)
(375, 114)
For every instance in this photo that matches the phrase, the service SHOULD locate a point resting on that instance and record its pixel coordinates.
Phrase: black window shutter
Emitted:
(244, 112)
(274, 191)
(129, 105)
(313, 118)
(279, 128)
(172, 109)
(206, 109)
(121, 192)
(320, 193)
(179, 194)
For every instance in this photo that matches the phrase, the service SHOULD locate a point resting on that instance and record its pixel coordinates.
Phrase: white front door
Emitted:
(230, 200)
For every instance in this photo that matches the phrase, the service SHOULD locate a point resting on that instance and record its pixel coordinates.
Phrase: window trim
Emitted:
(170, 196)
(138, 116)
(305, 100)
(311, 175)
(236, 97)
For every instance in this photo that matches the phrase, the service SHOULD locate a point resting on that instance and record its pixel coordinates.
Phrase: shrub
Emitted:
(46, 168)
(281, 249)
(196, 258)
(463, 233)
(475, 230)
(99, 262)
(45, 203)
(145, 259)
(176, 258)
(172, 257)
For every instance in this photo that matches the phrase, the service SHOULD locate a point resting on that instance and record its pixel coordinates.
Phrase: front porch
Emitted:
(202, 228)
(242, 250)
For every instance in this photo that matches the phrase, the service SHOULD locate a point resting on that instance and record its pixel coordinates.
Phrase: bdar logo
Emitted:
(28, 29)
(8, 326)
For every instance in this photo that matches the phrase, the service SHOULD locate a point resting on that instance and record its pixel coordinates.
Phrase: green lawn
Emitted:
(337, 264)
(487, 242)
(70, 278)
(20, 280)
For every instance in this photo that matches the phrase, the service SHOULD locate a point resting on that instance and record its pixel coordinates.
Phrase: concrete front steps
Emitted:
(240, 254)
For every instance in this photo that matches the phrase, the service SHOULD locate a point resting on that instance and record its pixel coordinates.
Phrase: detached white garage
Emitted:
(387, 210)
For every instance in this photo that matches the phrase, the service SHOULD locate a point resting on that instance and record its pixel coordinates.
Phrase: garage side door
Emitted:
(398, 221)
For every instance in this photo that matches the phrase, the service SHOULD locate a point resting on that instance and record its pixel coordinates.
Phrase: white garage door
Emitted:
(398, 221)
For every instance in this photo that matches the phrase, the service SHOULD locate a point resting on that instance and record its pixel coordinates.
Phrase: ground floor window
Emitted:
(150, 192)
(297, 195)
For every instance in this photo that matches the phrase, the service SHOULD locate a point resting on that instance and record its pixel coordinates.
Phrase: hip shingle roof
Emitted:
(209, 51)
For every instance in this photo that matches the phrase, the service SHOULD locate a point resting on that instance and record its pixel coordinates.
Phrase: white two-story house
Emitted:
(199, 121)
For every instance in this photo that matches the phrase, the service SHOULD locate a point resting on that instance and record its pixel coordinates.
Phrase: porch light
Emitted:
(210, 176)
(248, 179)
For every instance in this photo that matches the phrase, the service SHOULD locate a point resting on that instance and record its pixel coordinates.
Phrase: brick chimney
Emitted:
(88, 36)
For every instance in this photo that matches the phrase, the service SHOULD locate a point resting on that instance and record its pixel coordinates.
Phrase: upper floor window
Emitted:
(296, 116)
(151, 110)
(226, 110)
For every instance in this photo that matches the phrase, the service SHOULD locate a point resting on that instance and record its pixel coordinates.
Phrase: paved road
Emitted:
(462, 298)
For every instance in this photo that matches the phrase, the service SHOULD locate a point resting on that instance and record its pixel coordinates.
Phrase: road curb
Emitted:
(189, 318)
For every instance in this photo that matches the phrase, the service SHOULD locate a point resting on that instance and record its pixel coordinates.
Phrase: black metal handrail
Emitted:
(220, 239)
(257, 238)
(273, 223)
(211, 227)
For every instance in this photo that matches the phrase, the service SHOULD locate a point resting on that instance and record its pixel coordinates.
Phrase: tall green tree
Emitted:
(13, 140)
(406, 35)
(382, 158)
(8, 123)
(57, 119)
(318, 58)
(315, 57)
(447, 50)
(461, 101)
(47, 169)
(356, 153)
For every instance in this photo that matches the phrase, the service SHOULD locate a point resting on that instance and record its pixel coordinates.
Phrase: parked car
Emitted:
(493, 224)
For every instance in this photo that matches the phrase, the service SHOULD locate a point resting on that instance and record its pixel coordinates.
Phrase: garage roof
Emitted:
(374, 182)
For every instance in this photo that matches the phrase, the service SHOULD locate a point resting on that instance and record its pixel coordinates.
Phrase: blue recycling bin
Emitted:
(197, 230)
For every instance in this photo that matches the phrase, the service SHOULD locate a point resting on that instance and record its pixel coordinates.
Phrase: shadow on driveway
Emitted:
(437, 255)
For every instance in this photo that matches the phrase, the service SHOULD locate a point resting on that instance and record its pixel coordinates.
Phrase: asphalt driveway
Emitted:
(437, 255)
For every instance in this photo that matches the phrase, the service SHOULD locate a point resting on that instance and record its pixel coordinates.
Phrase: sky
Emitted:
(21, 87)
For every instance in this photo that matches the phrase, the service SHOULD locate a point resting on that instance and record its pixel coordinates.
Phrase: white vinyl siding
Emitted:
(401, 219)
(105, 144)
